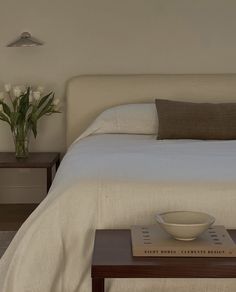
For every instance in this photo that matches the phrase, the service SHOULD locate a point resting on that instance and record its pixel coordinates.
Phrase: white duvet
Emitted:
(114, 181)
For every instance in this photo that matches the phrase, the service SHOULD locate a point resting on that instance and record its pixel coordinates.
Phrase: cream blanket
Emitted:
(114, 181)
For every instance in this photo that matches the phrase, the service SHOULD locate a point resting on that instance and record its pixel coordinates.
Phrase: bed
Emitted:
(114, 180)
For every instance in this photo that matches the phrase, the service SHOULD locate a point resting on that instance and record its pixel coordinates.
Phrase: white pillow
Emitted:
(138, 118)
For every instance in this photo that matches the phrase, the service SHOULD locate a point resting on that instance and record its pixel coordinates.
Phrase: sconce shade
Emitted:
(25, 40)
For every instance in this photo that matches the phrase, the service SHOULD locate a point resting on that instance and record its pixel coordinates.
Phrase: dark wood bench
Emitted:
(112, 258)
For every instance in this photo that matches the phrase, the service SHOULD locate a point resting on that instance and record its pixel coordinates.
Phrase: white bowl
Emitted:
(185, 225)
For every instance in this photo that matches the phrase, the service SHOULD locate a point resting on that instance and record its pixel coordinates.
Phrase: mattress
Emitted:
(115, 181)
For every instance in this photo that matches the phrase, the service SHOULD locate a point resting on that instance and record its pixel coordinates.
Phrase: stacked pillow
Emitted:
(169, 120)
(205, 121)
(140, 118)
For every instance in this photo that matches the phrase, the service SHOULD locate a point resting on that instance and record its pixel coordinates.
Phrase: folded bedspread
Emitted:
(114, 181)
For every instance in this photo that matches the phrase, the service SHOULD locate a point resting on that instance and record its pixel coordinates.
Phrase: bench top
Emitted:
(112, 258)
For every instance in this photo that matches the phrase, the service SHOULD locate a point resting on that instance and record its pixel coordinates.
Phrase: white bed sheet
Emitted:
(114, 181)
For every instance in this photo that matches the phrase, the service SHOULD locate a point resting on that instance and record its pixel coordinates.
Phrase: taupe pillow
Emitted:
(187, 120)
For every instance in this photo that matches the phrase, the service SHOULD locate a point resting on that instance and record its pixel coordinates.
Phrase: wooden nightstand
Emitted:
(35, 160)
(13, 215)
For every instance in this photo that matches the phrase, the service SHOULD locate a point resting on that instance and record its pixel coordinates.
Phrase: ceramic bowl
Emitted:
(185, 225)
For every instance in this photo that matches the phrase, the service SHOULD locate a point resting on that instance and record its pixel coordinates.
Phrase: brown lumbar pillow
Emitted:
(187, 120)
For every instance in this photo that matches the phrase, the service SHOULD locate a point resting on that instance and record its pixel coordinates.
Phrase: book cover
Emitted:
(153, 241)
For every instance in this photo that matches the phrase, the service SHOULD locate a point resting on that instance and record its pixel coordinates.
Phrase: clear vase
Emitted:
(21, 140)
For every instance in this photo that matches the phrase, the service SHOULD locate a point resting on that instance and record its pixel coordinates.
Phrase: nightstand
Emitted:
(35, 160)
(13, 215)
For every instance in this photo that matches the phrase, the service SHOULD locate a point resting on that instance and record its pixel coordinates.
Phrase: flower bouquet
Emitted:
(22, 107)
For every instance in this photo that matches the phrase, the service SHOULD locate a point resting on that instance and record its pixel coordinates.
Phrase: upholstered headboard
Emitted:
(87, 96)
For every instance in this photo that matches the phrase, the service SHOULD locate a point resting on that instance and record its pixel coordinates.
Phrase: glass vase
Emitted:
(21, 140)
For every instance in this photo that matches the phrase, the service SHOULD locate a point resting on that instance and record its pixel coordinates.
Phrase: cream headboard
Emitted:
(87, 96)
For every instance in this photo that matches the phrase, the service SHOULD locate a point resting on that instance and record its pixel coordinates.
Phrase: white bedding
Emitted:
(114, 181)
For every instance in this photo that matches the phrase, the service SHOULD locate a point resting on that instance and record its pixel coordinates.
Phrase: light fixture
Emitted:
(25, 40)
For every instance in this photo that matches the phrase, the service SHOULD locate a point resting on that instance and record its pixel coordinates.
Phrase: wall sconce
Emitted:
(25, 40)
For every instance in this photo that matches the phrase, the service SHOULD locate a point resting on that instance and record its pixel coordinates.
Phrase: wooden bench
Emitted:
(112, 258)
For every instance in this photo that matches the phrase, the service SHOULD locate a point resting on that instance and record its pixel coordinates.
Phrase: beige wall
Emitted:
(105, 36)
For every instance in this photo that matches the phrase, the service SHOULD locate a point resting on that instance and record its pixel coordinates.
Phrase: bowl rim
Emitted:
(160, 220)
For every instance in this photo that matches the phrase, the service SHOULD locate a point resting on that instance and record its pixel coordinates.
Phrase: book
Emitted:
(153, 241)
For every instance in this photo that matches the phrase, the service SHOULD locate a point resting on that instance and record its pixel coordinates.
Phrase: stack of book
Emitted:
(152, 241)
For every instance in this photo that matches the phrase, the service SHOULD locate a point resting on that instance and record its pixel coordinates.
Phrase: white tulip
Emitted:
(1, 108)
(7, 87)
(17, 91)
(1, 96)
(40, 89)
(36, 95)
(56, 102)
